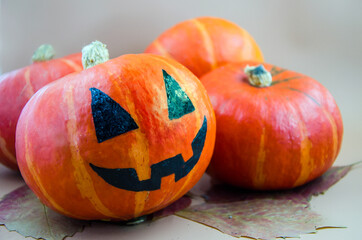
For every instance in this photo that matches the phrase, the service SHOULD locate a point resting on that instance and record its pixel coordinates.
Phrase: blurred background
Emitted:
(321, 39)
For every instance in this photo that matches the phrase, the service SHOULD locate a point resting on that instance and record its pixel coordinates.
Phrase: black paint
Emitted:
(127, 178)
(179, 104)
(110, 119)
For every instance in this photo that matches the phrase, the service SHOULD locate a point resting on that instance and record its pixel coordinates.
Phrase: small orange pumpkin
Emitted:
(274, 131)
(120, 139)
(205, 43)
(18, 86)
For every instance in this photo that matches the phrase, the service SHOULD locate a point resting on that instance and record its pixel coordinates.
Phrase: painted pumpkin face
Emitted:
(122, 139)
(111, 120)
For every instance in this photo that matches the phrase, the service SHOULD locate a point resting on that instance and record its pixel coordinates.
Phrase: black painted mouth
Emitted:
(127, 178)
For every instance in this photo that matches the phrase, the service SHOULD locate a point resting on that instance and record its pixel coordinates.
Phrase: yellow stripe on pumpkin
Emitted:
(207, 42)
(76, 67)
(83, 179)
(307, 163)
(161, 48)
(259, 179)
(33, 170)
(28, 87)
(334, 132)
(140, 152)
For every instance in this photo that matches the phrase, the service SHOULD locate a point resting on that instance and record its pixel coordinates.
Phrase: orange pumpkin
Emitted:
(18, 86)
(120, 139)
(205, 43)
(274, 131)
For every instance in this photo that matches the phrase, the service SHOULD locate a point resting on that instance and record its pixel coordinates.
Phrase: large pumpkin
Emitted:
(274, 133)
(18, 86)
(205, 43)
(118, 140)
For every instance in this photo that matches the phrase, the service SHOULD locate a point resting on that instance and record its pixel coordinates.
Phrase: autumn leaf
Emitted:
(323, 183)
(178, 205)
(257, 218)
(263, 215)
(21, 211)
(224, 193)
(234, 211)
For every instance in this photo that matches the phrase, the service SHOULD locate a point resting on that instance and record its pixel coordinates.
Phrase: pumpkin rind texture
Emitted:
(205, 43)
(275, 137)
(110, 139)
(17, 87)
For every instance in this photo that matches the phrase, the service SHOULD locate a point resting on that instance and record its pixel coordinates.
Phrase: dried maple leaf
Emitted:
(257, 218)
(224, 193)
(263, 215)
(178, 205)
(21, 211)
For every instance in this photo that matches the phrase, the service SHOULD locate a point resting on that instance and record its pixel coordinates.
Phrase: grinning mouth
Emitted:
(127, 178)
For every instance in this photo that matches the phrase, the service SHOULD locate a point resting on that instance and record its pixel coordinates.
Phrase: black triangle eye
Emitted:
(179, 104)
(110, 119)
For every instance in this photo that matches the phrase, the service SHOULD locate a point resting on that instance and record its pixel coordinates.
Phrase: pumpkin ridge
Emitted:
(207, 42)
(275, 72)
(72, 64)
(305, 94)
(81, 175)
(36, 177)
(140, 198)
(284, 80)
(259, 178)
(332, 121)
(305, 145)
(161, 49)
(28, 87)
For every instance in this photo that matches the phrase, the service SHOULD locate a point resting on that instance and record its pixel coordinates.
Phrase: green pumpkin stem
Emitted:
(44, 53)
(258, 76)
(94, 54)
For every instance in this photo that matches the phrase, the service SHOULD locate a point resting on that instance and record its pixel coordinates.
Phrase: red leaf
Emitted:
(179, 205)
(264, 215)
(257, 218)
(21, 211)
(223, 193)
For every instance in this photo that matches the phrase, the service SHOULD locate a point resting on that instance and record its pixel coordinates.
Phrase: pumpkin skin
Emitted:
(275, 137)
(58, 162)
(205, 43)
(17, 87)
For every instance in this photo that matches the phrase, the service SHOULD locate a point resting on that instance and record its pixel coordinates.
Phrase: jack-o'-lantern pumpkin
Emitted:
(17, 87)
(118, 140)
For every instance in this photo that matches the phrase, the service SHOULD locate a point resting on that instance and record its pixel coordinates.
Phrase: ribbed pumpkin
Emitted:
(118, 140)
(205, 43)
(18, 86)
(272, 133)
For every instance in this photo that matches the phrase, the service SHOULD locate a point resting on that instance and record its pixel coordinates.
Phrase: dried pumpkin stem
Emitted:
(94, 54)
(258, 76)
(44, 53)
